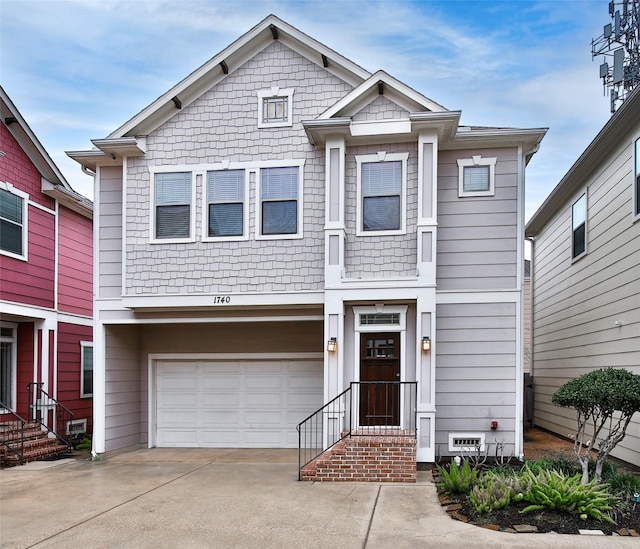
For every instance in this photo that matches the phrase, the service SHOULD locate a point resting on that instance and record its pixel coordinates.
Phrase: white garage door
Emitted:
(235, 404)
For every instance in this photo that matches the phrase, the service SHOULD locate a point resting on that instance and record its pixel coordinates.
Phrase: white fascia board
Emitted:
(381, 293)
(385, 127)
(495, 137)
(93, 158)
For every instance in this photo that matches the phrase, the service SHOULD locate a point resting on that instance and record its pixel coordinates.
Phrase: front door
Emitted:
(379, 363)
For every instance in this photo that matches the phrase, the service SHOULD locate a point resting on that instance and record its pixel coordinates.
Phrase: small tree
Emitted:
(605, 400)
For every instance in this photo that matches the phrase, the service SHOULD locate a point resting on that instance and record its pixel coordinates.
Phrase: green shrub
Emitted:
(556, 491)
(457, 480)
(569, 466)
(496, 490)
(623, 485)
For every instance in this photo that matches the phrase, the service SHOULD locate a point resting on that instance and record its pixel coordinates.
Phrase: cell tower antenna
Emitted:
(620, 46)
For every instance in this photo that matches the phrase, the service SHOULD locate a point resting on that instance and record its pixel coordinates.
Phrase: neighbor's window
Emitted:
(279, 197)
(381, 186)
(226, 203)
(173, 205)
(275, 107)
(86, 369)
(636, 190)
(476, 176)
(13, 221)
(579, 227)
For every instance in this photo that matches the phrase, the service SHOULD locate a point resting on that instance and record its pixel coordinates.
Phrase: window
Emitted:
(86, 369)
(579, 227)
(279, 201)
(381, 189)
(13, 221)
(476, 176)
(226, 203)
(7, 365)
(275, 107)
(172, 199)
(636, 188)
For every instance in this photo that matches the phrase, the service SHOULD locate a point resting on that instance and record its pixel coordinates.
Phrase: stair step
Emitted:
(41, 453)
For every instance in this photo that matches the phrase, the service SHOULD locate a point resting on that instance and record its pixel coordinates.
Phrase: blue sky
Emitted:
(77, 70)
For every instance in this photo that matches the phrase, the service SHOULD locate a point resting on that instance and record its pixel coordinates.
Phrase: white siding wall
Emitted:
(477, 236)
(110, 233)
(475, 373)
(576, 305)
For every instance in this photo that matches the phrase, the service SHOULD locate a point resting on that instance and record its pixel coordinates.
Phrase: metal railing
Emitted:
(365, 408)
(20, 422)
(47, 411)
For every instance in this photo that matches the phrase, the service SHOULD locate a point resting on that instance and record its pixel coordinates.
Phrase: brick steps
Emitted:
(366, 459)
(37, 443)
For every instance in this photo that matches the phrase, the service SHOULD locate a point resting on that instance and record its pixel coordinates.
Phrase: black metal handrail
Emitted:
(42, 403)
(365, 408)
(19, 421)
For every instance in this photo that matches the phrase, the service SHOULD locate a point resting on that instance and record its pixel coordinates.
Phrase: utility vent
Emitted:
(76, 426)
(466, 442)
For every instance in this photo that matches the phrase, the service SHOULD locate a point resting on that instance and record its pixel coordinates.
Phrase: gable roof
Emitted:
(53, 182)
(620, 124)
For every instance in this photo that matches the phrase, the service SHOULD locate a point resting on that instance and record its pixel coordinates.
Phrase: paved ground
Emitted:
(231, 498)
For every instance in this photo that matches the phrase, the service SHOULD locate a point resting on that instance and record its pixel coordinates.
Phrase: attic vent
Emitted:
(466, 442)
(76, 426)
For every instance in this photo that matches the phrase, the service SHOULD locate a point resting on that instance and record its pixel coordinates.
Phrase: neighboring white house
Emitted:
(586, 272)
(279, 203)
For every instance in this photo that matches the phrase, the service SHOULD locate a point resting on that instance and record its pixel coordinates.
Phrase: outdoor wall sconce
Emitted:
(426, 344)
(332, 345)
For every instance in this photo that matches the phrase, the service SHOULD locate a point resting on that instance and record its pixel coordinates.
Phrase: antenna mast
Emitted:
(620, 44)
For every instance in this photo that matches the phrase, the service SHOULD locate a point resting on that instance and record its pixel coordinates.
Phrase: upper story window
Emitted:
(636, 183)
(280, 206)
(579, 227)
(86, 369)
(382, 193)
(275, 107)
(226, 203)
(13, 221)
(172, 208)
(476, 176)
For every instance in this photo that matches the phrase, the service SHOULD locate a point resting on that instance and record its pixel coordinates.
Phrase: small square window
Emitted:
(476, 176)
(13, 221)
(86, 369)
(172, 206)
(579, 227)
(275, 107)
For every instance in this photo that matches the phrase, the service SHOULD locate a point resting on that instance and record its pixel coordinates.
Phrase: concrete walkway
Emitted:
(231, 498)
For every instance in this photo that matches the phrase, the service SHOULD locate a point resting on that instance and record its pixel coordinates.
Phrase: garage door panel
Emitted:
(239, 403)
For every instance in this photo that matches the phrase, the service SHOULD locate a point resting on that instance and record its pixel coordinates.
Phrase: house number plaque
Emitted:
(221, 300)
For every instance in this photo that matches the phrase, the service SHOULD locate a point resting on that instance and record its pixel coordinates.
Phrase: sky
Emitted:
(79, 69)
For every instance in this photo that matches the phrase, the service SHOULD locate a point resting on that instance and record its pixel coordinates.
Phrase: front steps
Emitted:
(366, 458)
(37, 443)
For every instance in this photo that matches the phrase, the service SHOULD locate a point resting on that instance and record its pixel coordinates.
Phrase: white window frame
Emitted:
(258, 198)
(13, 339)
(275, 93)
(83, 346)
(477, 161)
(152, 203)
(573, 229)
(382, 156)
(635, 207)
(205, 208)
(5, 186)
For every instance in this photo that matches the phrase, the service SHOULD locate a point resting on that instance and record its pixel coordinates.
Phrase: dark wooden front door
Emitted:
(380, 362)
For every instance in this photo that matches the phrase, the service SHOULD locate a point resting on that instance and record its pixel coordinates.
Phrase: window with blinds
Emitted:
(381, 191)
(476, 176)
(173, 205)
(279, 200)
(12, 213)
(225, 202)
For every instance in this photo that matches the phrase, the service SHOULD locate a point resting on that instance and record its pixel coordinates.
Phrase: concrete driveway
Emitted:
(231, 498)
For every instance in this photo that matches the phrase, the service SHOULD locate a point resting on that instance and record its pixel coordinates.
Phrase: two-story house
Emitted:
(586, 272)
(46, 293)
(282, 223)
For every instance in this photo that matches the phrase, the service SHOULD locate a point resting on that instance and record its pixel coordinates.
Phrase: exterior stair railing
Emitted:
(19, 422)
(365, 408)
(47, 411)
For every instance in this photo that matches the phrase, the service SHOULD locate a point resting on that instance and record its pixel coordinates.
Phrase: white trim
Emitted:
(211, 320)
(153, 170)
(477, 161)
(99, 390)
(635, 179)
(83, 345)
(583, 193)
(123, 251)
(245, 207)
(275, 93)
(44, 208)
(382, 156)
(56, 260)
(13, 339)
(24, 256)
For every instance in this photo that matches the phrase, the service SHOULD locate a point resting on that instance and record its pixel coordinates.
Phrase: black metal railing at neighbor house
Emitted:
(365, 408)
(47, 411)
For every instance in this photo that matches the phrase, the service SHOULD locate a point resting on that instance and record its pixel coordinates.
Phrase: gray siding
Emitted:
(381, 256)
(109, 256)
(475, 373)
(576, 304)
(477, 236)
(123, 387)
(222, 124)
(380, 108)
